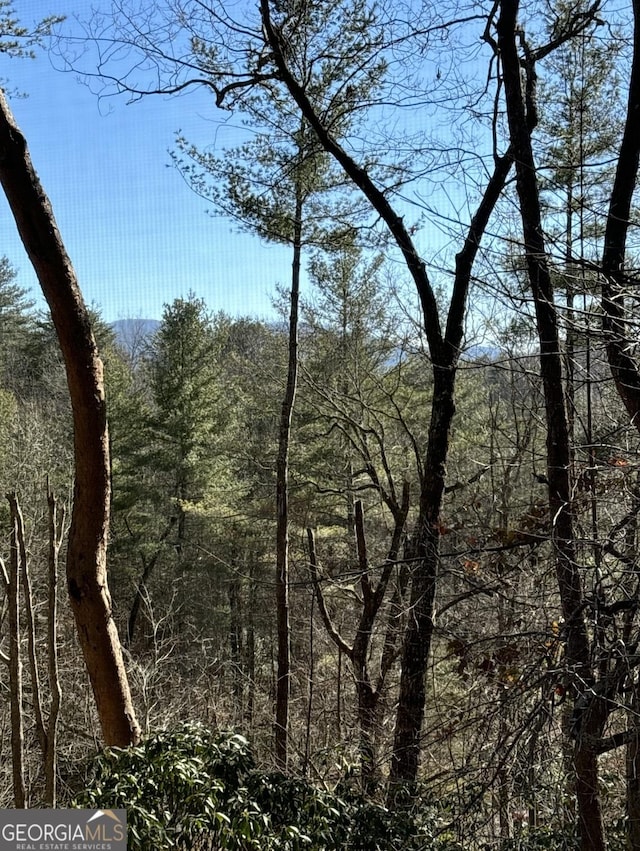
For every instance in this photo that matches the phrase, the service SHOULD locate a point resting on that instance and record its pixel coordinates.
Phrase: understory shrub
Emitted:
(195, 788)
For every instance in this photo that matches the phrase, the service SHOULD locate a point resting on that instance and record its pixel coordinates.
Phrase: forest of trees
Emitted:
(392, 538)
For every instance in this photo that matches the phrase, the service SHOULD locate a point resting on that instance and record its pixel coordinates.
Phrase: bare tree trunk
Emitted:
(141, 587)
(624, 368)
(310, 687)
(236, 643)
(250, 644)
(358, 653)
(338, 712)
(633, 772)
(622, 364)
(46, 734)
(521, 118)
(140, 596)
(283, 682)
(424, 555)
(369, 694)
(56, 532)
(87, 548)
(17, 524)
(12, 585)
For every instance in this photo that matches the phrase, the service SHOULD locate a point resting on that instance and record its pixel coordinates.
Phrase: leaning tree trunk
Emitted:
(87, 547)
(521, 118)
(624, 367)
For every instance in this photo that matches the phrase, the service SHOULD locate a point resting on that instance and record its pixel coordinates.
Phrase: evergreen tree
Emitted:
(277, 186)
(186, 416)
(166, 443)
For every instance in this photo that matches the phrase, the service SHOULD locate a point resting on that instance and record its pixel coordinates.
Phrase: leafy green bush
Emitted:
(193, 788)
(171, 785)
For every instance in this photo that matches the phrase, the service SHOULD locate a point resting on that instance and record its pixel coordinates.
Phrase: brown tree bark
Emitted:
(17, 527)
(521, 119)
(56, 532)
(87, 548)
(12, 585)
(623, 366)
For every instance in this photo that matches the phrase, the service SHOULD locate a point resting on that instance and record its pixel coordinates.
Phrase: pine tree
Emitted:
(281, 186)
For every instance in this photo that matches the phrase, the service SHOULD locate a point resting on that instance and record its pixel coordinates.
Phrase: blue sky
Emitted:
(137, 235)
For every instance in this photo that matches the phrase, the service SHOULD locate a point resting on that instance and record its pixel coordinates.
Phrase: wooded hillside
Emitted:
(391, 538)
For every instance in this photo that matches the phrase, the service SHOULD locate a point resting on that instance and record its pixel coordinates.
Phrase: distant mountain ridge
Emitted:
(130, 332)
